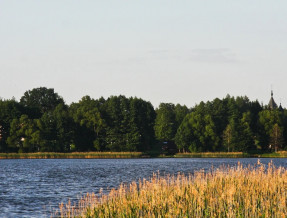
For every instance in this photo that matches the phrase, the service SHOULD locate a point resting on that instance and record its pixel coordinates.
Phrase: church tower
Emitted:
(272, 105)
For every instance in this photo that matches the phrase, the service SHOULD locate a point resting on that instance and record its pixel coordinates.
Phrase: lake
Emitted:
(31, 188)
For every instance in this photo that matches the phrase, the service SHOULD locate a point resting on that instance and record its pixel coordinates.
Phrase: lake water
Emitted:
(31, 188)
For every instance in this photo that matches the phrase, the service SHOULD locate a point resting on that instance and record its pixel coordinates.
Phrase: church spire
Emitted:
(272, 105)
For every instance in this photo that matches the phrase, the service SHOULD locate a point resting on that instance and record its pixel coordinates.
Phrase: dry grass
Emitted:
(257, 191)
(213, 155)
(72, 155)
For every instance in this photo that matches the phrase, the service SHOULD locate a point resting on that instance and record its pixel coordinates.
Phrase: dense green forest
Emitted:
(41, 121)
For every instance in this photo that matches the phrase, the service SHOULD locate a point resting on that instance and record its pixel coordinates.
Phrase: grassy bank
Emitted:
(75, 155)
(257, 191)
(275, 155)
(279, 154)
(98, 155)
(213, 155)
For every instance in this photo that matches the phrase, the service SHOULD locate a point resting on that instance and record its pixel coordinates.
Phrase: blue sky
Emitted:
(160, 50)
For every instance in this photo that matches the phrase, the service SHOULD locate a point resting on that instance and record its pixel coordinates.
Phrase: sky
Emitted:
(183, 51)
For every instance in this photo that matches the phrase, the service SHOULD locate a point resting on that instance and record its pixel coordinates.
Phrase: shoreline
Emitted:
(72, 155)
(133, 155)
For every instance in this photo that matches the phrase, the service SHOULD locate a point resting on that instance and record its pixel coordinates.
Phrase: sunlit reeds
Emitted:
(70, 155)
(254, 191)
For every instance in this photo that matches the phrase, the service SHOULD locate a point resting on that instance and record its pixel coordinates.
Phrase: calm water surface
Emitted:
(30, 188)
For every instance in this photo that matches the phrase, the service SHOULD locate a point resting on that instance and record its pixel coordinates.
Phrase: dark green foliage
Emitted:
(165, 123)
(129, 124)
(267, 120)
(276, 138)
(115, 124)
(227, 138)
(168, 119)
(180, 113)
(184, 136)
(24, 135)
(56, 130)
(230, 124)
(9, 110)
(89, 124)
(142, 119)
(42, 122)
(197, 133)
(117, 138)
(242, 137)
(40, 100)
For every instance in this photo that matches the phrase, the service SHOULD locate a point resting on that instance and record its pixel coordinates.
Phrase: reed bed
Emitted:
(71, 155)
(213, 155)
(253, 191)
(99, 155)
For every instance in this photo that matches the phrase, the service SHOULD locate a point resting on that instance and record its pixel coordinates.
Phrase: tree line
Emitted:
(41, 121)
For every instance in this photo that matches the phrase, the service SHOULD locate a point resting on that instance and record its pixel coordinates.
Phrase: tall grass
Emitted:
(254, 191)
(213, 155)
(279, 154)
(78, 155)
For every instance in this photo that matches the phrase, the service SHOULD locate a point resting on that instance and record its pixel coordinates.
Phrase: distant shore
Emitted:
(72, 155)
(280, 154)
(116, 155)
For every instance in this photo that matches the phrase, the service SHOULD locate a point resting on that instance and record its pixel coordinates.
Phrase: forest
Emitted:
(42, 122)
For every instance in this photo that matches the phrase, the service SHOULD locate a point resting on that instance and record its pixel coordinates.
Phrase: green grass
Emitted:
(279, 154)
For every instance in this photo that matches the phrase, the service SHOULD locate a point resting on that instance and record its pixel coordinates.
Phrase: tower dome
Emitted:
(272, 104)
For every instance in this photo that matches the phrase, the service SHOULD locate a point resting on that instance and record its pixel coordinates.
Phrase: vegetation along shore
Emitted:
(42, 122)
(254, 191)
(111, 155)
(73, 155)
